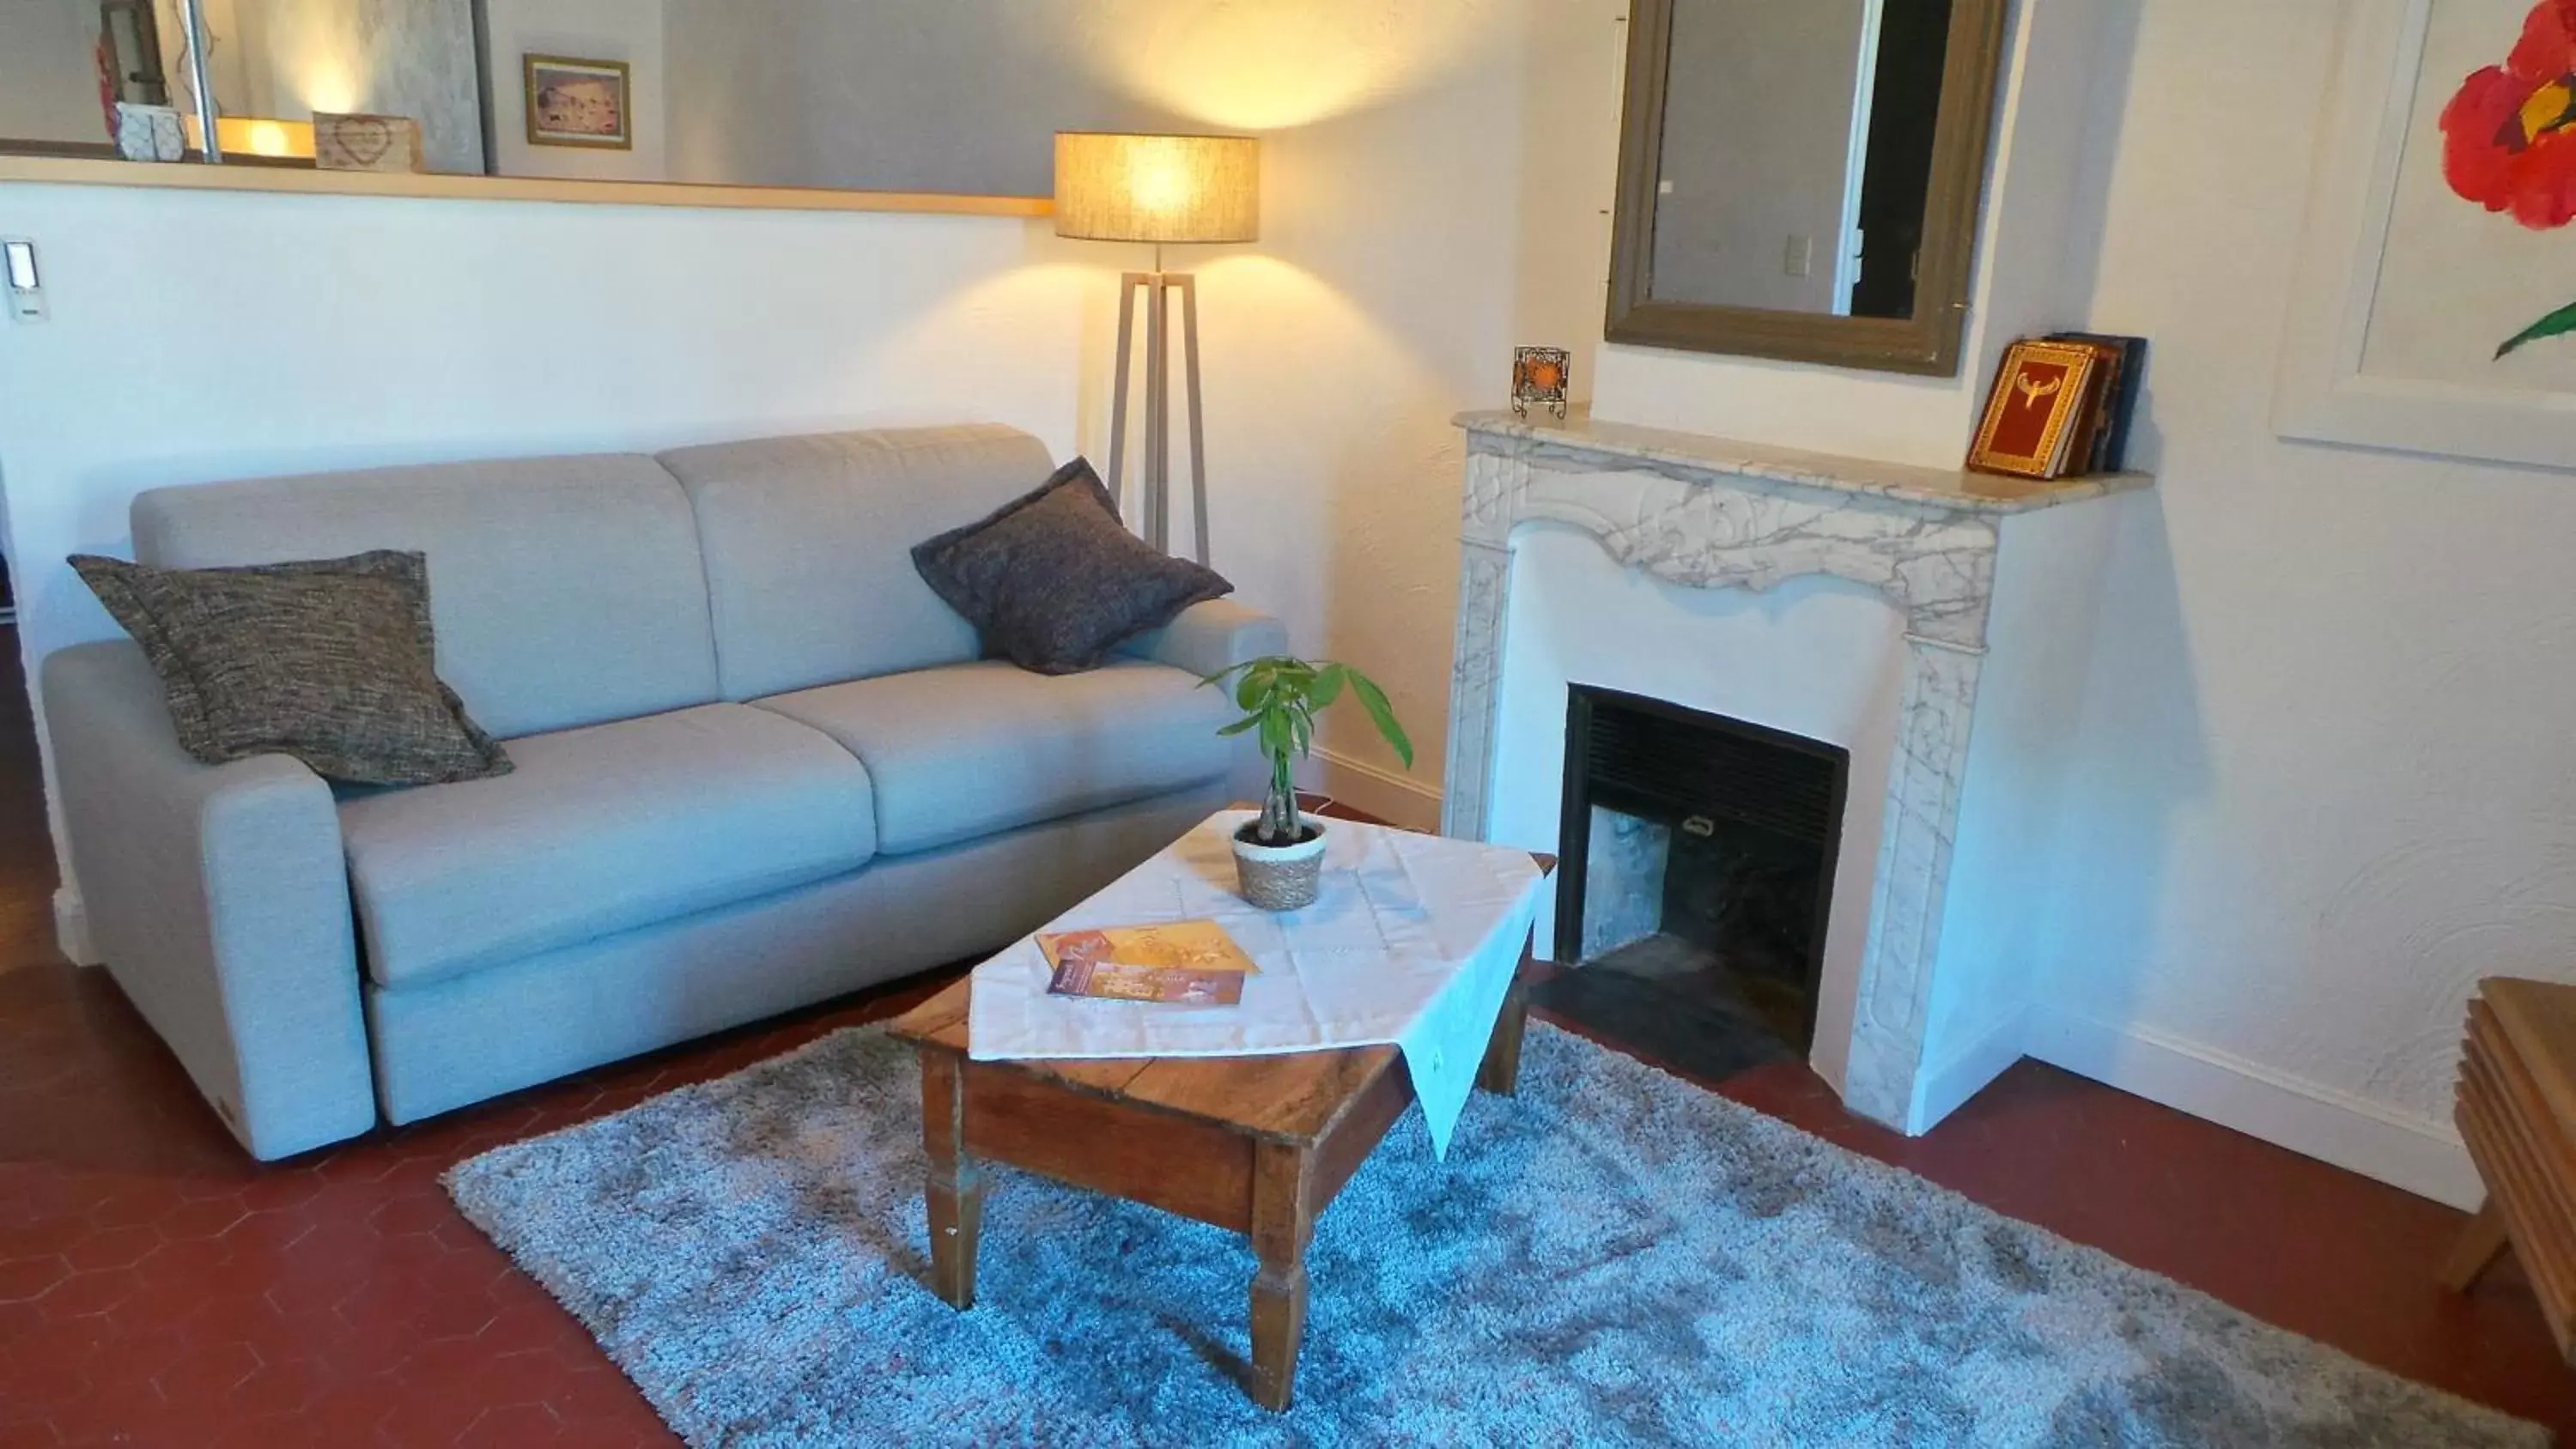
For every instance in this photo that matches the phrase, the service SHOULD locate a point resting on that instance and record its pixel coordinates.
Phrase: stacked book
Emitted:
(2061, 405)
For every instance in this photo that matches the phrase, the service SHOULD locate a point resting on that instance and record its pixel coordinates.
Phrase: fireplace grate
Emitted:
(1716, 888)
(1660, 762)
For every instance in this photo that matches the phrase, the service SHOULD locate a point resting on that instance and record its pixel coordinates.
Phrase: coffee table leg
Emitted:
(956, 1191)
(1501, 1072)
(1282, 1220)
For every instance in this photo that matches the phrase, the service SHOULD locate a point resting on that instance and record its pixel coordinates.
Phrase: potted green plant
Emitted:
(1279, 857)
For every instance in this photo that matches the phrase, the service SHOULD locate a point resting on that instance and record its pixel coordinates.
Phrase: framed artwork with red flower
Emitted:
(2434, 305)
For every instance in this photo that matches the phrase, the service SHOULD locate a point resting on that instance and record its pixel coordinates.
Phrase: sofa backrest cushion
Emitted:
(808, 545)
(566, 591)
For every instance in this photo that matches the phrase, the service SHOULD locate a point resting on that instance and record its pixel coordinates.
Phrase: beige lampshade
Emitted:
(1111, 186)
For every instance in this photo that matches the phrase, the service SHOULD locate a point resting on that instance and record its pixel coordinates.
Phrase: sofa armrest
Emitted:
(219, 898)
(1211, 636)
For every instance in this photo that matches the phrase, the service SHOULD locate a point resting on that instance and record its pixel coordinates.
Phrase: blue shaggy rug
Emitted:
(1614, 1257)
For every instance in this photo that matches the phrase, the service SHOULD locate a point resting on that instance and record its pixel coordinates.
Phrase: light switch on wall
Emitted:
(1801, 258)
(19, 279)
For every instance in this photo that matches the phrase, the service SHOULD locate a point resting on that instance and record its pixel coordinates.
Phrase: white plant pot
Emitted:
(1281, 877)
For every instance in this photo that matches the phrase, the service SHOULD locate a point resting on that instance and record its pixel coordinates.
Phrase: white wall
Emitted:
(1757, 147)
(48, 85)
(909, 95)
(624, 30)
(2330, 786)
(1415, 231)
(1429, 202)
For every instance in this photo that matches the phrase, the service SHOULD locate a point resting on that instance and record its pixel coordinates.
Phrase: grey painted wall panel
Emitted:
(902, 95)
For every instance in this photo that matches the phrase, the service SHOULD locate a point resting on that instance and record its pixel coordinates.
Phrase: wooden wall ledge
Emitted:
(66, 171)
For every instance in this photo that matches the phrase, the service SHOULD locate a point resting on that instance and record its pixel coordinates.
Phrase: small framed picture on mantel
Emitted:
(584, 103)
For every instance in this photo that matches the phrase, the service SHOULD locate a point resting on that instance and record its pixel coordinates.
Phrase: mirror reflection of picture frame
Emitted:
(1927, 342)
(579, 103)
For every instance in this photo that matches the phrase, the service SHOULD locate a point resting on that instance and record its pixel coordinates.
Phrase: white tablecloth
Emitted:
(1413, 942)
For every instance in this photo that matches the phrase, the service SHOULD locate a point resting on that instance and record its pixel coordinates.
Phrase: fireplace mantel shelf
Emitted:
(1585, 443)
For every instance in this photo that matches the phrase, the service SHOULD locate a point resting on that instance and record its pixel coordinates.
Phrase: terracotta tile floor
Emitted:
(156, 1287)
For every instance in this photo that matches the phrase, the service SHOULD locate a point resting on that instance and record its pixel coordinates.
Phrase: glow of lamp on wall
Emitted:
(323, 80)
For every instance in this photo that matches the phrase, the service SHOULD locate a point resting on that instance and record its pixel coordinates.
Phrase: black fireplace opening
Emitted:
(1696, 876)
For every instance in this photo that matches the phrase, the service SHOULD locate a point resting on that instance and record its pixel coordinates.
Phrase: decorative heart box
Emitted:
(366, 143)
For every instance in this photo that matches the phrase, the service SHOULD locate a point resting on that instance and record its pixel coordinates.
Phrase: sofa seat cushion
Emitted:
(601, 829)
(966, 750)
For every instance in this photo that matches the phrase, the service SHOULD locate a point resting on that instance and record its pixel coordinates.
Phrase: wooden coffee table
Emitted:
(1256, 1145)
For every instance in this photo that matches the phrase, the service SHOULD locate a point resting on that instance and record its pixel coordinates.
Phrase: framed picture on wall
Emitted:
(2434, 306)
(579, 103)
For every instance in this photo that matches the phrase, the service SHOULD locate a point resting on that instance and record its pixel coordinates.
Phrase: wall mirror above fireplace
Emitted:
(1803, 181)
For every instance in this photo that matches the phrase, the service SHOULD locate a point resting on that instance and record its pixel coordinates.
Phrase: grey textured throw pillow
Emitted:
(1053, 581)
(332, 661)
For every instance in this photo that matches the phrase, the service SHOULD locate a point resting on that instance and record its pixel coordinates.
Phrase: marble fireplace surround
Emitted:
(1713, 513)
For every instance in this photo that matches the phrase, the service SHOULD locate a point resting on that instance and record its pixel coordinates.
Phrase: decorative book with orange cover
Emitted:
(2042, 400)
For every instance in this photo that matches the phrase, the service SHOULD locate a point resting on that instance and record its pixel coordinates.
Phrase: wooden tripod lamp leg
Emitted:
(1153, 511)
(1120, 393)
(1158, 415)
(1189, 289)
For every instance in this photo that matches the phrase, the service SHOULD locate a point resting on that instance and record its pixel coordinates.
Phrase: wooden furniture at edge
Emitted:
(2517, 1111)
(1257, 1145)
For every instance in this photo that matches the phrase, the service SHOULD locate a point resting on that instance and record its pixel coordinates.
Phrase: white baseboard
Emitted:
(71, 928)
(2423, 1157)
(1393, 798)
(1947, 1087)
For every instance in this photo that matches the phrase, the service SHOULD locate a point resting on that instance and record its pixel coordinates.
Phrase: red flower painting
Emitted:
(2509, 138)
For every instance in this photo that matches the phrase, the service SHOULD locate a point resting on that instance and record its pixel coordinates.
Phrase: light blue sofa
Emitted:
(758, 765)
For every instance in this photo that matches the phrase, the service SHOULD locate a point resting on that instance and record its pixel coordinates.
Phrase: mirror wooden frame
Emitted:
(1927, 342)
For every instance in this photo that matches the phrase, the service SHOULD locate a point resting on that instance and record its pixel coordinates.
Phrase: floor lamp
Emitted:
(1112, 186)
